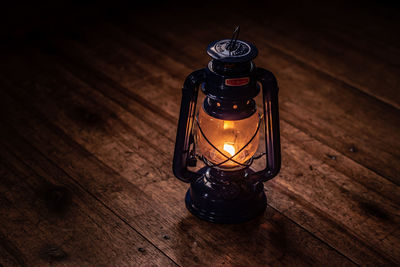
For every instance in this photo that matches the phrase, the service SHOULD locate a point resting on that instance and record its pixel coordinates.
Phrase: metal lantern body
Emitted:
(225, 129)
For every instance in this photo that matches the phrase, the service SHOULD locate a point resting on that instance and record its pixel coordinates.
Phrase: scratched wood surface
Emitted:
(88, 115)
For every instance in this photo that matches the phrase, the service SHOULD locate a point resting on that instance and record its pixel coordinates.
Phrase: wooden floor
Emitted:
(88, 116)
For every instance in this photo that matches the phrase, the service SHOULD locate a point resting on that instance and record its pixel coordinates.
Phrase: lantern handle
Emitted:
(184, 134)
(271, 126)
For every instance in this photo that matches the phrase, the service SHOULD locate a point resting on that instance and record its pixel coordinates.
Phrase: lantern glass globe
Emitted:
(229, 137)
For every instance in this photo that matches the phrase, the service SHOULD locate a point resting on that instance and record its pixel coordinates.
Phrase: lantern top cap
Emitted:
(228, 52)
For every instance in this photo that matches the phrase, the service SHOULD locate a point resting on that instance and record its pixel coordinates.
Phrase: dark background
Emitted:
(21, 21)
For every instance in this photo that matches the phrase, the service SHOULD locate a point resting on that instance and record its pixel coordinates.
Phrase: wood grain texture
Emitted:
(168, 207)
(131, 76)
(88, 120)
(52, 220)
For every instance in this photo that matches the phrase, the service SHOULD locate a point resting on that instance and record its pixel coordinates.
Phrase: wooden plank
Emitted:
(190, 241)
(370, 127)
(122, 161)
(49, 219)
(356, 200)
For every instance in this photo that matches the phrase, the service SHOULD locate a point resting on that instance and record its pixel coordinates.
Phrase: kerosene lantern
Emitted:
(223, 134)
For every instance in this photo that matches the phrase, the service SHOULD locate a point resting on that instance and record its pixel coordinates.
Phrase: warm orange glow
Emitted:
(230, 149)
(228, 136)
(228, 125)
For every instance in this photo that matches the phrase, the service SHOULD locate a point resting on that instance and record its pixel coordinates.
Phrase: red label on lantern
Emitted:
(237, 81)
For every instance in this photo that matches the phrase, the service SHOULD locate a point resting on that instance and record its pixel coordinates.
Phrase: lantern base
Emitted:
(225, 197)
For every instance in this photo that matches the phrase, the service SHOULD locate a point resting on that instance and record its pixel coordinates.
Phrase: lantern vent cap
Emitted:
(223, 51)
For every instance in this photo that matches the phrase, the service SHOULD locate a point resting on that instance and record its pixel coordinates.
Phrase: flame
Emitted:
(230, 149)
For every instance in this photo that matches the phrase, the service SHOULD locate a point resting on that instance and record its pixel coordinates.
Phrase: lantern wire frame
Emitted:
(246, 164)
